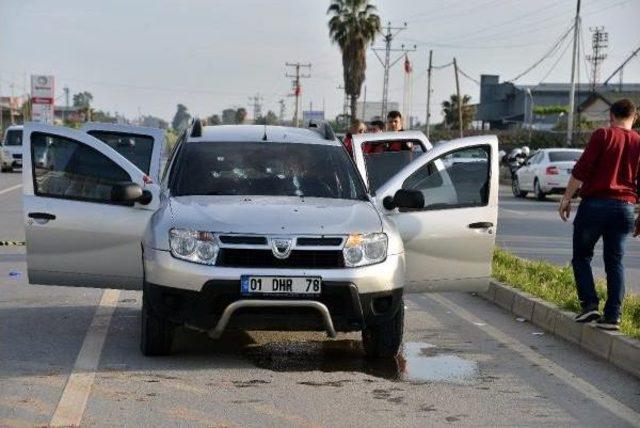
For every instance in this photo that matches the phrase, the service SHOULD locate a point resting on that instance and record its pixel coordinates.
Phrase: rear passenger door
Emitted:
(141, 145)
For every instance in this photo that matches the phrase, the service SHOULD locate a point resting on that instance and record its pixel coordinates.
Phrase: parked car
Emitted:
(546, 172)
(11, 149)
(254, 227)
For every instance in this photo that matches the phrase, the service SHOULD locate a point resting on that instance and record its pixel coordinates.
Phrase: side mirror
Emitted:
(410, 199)
(130, 192)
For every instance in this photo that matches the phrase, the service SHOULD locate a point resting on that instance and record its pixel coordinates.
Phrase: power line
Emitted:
(555, 64)
(477, 82)
(550, 52)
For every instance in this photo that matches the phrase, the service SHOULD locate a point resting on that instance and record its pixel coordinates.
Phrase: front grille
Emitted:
(243, 240)
(319, 242)
(231, 257)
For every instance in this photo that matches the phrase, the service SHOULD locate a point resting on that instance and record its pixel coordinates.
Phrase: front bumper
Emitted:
(161, 268)
(348, 310)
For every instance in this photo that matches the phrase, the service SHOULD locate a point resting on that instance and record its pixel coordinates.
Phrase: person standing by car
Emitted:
(357, 127)
(376, 126)
(395, 124)
(607, 176)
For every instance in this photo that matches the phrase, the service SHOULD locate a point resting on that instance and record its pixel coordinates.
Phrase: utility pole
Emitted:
(572, 100)
(66, 104)
(389, 35)
(256, 101)
(619, 69)
(345, 100)
(283, 109)
(455, 67)
(297, 89)
(364, 103)
(429, 92)
(599, 42)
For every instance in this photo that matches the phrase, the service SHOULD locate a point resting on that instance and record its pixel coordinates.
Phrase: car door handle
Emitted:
(481, 225)
(42, 216)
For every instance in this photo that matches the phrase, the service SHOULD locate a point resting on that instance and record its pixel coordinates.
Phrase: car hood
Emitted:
(275, 215)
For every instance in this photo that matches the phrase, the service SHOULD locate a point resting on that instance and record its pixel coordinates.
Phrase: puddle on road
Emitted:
(418, 362)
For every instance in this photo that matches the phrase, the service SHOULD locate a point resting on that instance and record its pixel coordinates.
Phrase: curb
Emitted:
(615, 347)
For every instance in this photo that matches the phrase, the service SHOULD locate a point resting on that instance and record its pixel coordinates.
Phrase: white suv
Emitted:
(254, 227)
(11, 149)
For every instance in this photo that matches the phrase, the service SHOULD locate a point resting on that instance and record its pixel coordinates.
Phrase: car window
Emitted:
(135, 147)
(64, 168)
(453, 183)
(384, 159)
(565, 156)
(14, 137)
(266, 168)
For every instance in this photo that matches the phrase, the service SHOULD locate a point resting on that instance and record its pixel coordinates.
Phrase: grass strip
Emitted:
(555, 284)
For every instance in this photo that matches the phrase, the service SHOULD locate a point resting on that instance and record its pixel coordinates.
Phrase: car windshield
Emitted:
(267, 169)
(14, 138)
(567, 156)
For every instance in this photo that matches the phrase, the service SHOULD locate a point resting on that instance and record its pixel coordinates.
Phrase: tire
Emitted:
(515, 188)
(383, 340)
(156, 336)
(537, 191)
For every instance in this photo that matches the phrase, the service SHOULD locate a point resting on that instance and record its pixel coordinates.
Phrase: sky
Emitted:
(146, 56)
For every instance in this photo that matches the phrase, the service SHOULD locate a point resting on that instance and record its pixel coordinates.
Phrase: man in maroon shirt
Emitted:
(607, 176)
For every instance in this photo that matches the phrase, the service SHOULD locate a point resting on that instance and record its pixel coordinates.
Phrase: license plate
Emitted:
(280, 285)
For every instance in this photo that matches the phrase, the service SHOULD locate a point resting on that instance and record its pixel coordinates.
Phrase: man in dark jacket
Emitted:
(606, 175)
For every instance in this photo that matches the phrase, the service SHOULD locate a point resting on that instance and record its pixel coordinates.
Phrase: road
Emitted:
(532, 229)
(70, 356)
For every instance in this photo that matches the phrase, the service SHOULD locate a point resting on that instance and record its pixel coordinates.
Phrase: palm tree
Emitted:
(353, 26)
(450, 110)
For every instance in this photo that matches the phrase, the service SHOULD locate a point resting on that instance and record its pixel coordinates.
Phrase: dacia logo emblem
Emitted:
(281, 247)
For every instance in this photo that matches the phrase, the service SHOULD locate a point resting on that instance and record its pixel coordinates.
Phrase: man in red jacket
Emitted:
(607, 177)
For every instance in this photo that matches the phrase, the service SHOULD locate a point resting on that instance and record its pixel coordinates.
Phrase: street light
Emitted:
(530, 111)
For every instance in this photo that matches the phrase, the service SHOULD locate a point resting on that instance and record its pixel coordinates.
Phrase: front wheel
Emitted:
(383, 340)
(156, 336)
(540, 195)
(515, 188)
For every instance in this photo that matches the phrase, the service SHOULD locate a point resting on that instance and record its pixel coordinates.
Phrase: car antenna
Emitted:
(264, 137)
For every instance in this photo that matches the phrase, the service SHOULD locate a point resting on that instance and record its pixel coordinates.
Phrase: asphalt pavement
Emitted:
(532, 229)
(70, 356)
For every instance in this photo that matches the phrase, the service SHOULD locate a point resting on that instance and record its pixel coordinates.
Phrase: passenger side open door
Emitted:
(445, 206)
(85, 210)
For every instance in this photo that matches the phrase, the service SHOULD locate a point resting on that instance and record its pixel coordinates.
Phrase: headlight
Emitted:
(364, 250)
(194, 246)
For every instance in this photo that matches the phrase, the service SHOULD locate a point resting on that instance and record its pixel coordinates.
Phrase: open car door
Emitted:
(85, 210)
(445, 206)
(140, 145)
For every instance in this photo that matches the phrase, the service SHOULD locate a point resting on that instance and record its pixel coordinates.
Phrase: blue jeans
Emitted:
(612, 220)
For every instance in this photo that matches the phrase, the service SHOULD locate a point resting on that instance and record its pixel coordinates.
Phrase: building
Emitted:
(504, 105)
(371, 110)
(595, 108)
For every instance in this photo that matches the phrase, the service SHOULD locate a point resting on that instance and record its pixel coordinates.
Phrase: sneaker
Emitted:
(606, 324)
(587, 315)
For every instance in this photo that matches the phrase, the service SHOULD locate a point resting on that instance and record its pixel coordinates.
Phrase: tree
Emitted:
(154, 122)
(82, 99)
(353, 27)
(214, 119)
(181, 118)
(270, 119)
(240, 115)
(228, 116)
(450, 110)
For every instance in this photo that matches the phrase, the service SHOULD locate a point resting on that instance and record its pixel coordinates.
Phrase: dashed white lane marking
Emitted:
(76, 392)
(582, 386)
(8, 189)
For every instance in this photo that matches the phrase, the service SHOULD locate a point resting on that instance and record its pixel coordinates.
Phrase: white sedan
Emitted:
(546, 172)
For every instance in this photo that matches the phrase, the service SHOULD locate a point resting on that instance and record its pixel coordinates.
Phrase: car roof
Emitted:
(256, 133)
(560, 149)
